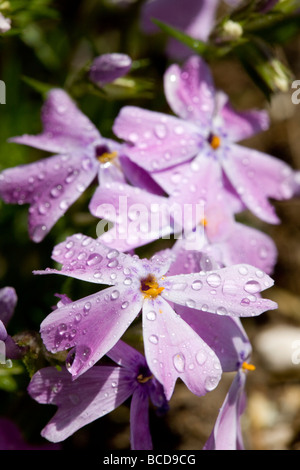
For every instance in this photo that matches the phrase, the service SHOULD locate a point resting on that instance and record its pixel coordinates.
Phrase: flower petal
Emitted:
(159, 140)
(226, 434)
(228, 291)
(224, 335)
(140, 437)
(107, 67)
(190, 91)
(91, 326)
(256, 177)
(65, 127)
(174, 350)
(243, 124)
(50, 186)
(126, 356)
(251, 246)
(99, 391)
(84, 258)
(8, 301)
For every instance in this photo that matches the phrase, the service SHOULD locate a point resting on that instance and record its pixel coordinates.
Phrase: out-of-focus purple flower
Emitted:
(53, 184)
(194, 17)
(5, 24)
(108, 67)
(12, 439)
(8, 300)
(91, 326)
(99, 391)
(207, 128)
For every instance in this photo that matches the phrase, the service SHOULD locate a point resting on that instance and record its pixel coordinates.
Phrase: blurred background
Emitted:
(52, 44)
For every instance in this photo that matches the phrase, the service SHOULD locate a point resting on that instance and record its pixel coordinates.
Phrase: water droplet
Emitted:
(243, 270)
(87, 308)
(127, 281)
(229, 287)
(205, 263)
(160, 131)
(244, 302)
(153, 339)
(201, 357)
(179, 285)
(113, 264)
(213, 280)
(211, 383)
(115, 295)
(179, 362)
(197, 285)
(56, 191)
(78, 317)
(252, 287)
(221, 311)
(86, 353)
(204, 307)
(151, 316)
(62, 328)
(93, 259)
(124, 304)
(259, 273)
(190, 303)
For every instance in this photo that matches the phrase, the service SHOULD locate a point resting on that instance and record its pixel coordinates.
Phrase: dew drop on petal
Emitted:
(213, 280)
(153, 339)
(151, 315)
(201, 357)
(93, 259)
(125, 304)
(179, 362)
(210, 383)
(221, 311)
(62, 328)
(243, 270)
(252, 287)
(190, 303)
(115, 295)
(197, 285)
(244, 302)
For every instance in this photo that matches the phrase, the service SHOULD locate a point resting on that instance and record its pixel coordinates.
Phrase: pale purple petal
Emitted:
(159, 140)
(65, 127)
(244, 124)
(140, 437)
(84, 258)
(174, 350)
(91, 325)
(50, 186)
(139, 217)
(232, 291)
(8, 301)
(256, 177)
(139, 177)
(93, 395)
(190, 91)
(3, 332)
(223, 334)
(226, 434)
(248, 245)
(108, 67)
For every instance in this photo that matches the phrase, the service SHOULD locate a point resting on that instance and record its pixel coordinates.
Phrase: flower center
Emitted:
(143, 379)
(246, 366)
(104, 155)
(150, 287)
(214, 141)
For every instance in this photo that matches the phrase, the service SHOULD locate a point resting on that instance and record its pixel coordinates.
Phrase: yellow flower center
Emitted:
(107, 157)
(204, 222)
(246, 366)
(214, 141)
(150, 287)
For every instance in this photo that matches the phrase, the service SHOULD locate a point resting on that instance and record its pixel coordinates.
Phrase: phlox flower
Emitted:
(53, 184)
(207, 129)
(91, 326)
(99, 391)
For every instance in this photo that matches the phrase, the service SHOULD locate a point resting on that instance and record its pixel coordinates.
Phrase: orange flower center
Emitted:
(246, 366)
(107, 157)
(150, 287)
(214, 141)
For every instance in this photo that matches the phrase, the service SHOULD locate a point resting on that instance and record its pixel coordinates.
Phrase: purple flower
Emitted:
(12, 439)
(53, 184)
(8, 300)
(91, 326)
(99, 391)
(195, 17)
(207, 129)
(108, 67)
